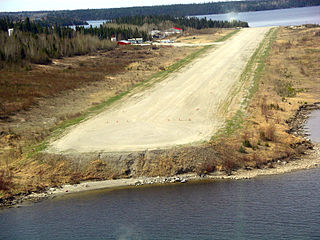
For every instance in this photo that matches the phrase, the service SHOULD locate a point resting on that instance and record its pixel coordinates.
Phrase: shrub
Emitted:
(205, 168)
(246, 143)
(284, 88)
(269, 133)
(5, 180)
(230, 165)
(242, 150)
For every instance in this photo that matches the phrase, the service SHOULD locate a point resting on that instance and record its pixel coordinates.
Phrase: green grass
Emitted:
(253, 73)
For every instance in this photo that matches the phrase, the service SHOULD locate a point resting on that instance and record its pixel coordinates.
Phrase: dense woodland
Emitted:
(121, 32)
(179, 10)
(181, 22)
(31, 42)
(36, 42)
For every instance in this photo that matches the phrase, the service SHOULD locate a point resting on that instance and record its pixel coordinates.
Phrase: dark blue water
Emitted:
(281, 17)
(275, 207)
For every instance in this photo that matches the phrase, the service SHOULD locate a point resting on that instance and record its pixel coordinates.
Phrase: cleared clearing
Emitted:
(181, 109)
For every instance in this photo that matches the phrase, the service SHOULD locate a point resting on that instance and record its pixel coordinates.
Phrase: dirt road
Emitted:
(181, 109)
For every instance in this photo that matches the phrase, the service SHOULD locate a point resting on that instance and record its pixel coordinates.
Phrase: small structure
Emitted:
(135, 40)
(172, 31)
(157, 34)
(176, 30)
(10, 32)
(123, 42)
(113, 39)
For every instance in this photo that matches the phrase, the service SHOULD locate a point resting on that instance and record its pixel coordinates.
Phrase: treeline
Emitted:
(104, 32)
(120, 32)
(181, 22)
(178, 10)
(31, 42)
(44, 20)
(61, 21)
(34, 27)
(23, 48)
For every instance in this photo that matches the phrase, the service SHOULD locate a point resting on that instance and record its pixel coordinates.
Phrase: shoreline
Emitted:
(310, 160)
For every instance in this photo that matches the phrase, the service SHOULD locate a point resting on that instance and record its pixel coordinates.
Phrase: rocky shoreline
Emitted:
(311, 159)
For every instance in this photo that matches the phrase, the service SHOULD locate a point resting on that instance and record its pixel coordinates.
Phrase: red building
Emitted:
(123, 42)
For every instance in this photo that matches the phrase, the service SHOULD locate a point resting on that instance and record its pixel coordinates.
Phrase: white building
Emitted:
(135, 40)
(10, 31)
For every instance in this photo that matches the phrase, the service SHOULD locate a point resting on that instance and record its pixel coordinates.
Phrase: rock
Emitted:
(138, 183)
(177, 179)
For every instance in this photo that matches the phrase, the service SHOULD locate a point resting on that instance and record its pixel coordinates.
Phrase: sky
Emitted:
(35, 5)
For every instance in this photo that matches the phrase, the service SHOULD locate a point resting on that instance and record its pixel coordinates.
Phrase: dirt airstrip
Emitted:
(181, 109)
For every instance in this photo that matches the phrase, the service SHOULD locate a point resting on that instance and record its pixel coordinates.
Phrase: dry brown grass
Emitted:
(20, 89)
(6, 182)
(291, 78)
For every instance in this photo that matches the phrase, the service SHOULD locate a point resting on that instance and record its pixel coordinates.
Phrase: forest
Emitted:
(181, 22)
(38, 42)
(179, 10)
(34, 43)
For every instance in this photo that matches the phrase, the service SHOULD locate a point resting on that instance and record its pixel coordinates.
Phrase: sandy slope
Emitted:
(179, 110)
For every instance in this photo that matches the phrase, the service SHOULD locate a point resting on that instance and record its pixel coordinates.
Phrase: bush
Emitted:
(5, 180)
(269, 133)
(230, 165)
(242, 150)
(205, 167)
(284, 88)
(246, 143)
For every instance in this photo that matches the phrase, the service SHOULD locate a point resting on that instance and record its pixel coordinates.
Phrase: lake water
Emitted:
(274, 207)
(312, 126)
(281, 17)
(93, 23)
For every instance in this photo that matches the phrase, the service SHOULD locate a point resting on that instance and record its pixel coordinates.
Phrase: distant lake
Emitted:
(93, 23)
(281, 17)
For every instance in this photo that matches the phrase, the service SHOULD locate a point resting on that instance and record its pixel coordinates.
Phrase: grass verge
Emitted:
(252, 72)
